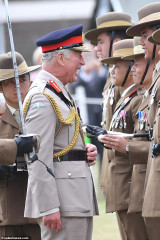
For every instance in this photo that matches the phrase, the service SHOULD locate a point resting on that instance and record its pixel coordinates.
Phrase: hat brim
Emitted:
(21, 72)
(132, 57)
(136, 29)
(92, 35)
(111, 60)
(156, 36)
(81, 49)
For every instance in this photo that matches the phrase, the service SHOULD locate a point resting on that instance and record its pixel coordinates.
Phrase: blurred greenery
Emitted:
(105, 225)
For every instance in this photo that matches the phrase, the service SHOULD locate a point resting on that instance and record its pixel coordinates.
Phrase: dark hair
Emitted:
(154, 27)
(119, 34)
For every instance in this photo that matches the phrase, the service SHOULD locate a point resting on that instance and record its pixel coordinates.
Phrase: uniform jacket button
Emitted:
(69, 174)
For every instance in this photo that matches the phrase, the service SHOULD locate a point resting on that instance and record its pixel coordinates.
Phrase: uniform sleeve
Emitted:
(8, 151)
(41, 119)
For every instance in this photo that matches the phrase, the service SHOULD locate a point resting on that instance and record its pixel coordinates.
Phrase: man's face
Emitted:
(146, 45)
(8, 88)
(119, 72)
(72, 65)
(103, 45)
(138, 70)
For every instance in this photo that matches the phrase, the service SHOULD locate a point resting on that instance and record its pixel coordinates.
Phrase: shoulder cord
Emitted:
(72, 116)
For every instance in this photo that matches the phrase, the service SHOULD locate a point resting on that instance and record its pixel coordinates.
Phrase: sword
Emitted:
(97, 132)
(29, 159)
(15, 68)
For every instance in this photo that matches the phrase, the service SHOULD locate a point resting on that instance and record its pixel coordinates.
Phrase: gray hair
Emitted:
(49, 57)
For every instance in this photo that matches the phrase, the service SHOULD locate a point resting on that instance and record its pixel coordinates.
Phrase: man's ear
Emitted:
(116, 40)
(1, 89)
(60, 58)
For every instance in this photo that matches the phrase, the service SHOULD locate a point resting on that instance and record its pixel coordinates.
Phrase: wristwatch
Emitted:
(127, 149)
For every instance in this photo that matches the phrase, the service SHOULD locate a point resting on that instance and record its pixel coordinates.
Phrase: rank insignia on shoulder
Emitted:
(55, 86)
(38, 105)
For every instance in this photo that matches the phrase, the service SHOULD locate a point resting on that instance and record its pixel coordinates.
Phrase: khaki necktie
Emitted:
(16, 115)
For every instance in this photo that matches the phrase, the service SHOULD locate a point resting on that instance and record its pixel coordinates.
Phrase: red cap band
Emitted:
(72, 40)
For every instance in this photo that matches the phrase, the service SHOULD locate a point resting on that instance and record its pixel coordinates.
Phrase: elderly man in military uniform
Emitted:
(13, 186)
(148, 22)
(64, 205)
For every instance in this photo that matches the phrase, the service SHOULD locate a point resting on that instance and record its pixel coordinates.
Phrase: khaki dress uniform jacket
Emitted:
(111, 96)
(72, 188)
(13, 190)
(119, 169)
(138, 156)
(151, 205)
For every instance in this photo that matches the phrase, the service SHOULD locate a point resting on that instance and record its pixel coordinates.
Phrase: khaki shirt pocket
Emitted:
(122, 182)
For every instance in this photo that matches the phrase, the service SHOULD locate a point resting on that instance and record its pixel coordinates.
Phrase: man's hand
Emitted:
(116, 142)
(91, 154)
(53, 221)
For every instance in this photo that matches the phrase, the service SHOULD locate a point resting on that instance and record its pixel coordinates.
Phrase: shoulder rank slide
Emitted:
(55, 86)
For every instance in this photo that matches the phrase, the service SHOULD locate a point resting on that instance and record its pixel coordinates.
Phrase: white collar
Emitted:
(12, 110)
(127, 90)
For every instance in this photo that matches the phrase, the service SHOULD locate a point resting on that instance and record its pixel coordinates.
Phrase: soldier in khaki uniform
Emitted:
(119, 169)
(111, 27)
(138, 148)
(148, 23)
(13, 188)
(64, 205)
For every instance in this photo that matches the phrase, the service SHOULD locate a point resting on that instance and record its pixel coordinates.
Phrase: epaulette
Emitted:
(55, 86)
(58, 91)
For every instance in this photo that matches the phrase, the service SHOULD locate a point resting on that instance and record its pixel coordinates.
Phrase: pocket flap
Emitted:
(125, 168)
(69, 170)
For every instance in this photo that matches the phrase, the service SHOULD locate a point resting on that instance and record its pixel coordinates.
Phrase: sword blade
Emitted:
(15, 68)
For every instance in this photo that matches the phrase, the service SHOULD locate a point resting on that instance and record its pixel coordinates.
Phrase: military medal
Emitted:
(112, 96)
(140, 117)
(142, 121)
(116, 123)
(124, 119)
(121, 119)
(153, 95)
(146, 121)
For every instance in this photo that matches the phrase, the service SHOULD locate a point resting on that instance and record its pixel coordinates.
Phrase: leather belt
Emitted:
(73, 155)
